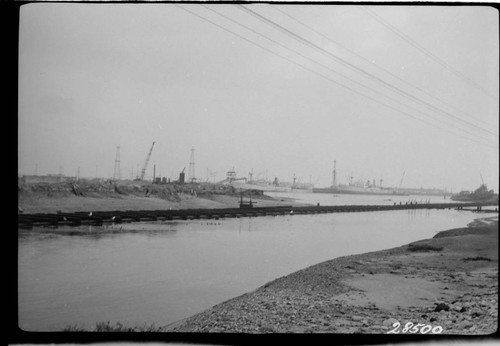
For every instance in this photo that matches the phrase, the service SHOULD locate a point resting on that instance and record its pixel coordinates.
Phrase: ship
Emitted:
(359, 190)
(359, 187)
(260, 186)
(249, 184)
(481, 194)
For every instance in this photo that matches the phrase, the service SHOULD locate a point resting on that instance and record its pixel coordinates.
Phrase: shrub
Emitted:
(117, 327)
(423, 247)
(477, 258)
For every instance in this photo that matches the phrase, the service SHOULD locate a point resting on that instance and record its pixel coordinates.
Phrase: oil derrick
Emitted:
(117, 172)
(191, 175)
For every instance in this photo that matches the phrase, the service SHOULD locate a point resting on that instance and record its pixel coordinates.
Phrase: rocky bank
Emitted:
(449, 282)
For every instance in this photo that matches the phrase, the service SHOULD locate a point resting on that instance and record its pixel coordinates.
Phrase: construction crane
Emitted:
(401, 182)
(143, 171)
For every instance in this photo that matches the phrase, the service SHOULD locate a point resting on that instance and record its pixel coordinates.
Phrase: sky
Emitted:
(407, 94)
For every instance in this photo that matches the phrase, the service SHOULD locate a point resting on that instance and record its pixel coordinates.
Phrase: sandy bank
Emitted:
(449, 282)
(110, 196)
(74, 203)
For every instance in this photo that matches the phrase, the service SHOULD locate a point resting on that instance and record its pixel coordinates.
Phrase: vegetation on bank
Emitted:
(117, 327)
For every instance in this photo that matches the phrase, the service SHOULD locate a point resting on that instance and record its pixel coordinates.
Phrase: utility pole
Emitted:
(334, 182)
(117, 172)
(191, 175)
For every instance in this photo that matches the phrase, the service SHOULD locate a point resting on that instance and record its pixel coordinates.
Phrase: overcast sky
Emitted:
(282, 89)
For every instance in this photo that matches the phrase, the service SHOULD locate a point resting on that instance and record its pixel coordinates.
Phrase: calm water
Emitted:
(329, 199)
(165, 271)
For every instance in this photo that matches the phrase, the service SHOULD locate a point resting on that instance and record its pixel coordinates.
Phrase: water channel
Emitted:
(160, 272)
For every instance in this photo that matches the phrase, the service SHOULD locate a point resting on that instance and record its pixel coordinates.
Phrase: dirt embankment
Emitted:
(107, 195)
(449, 282)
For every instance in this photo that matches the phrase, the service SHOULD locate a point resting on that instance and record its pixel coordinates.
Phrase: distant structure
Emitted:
(117, 171)
(49, 178)
(334, 180)
(231, 175)
(211, 175)
(191, 175)
(143, 171)
(181, 176)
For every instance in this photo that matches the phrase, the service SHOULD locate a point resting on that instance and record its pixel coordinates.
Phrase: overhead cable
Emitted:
(330, 79)
(355, 68)
(320, 64)
(374, 64)
(419, 47)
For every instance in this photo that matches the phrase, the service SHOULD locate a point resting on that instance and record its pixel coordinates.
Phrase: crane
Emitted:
(143, 171)
(401, 182)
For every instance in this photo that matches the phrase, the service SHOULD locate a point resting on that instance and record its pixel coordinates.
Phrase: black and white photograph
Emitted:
(204, 169)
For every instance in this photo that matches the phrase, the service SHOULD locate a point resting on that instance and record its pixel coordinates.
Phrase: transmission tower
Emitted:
(191, 176)
(117, 173)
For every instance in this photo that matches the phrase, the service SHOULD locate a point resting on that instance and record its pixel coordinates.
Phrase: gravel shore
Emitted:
(449, 283)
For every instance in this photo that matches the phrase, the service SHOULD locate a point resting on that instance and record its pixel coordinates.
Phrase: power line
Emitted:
(352, 66)
(327, 78)
(375, 65)
(419, 47)
(318, 63)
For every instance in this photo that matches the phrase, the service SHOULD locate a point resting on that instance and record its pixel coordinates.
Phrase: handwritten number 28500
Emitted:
(419, 327)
